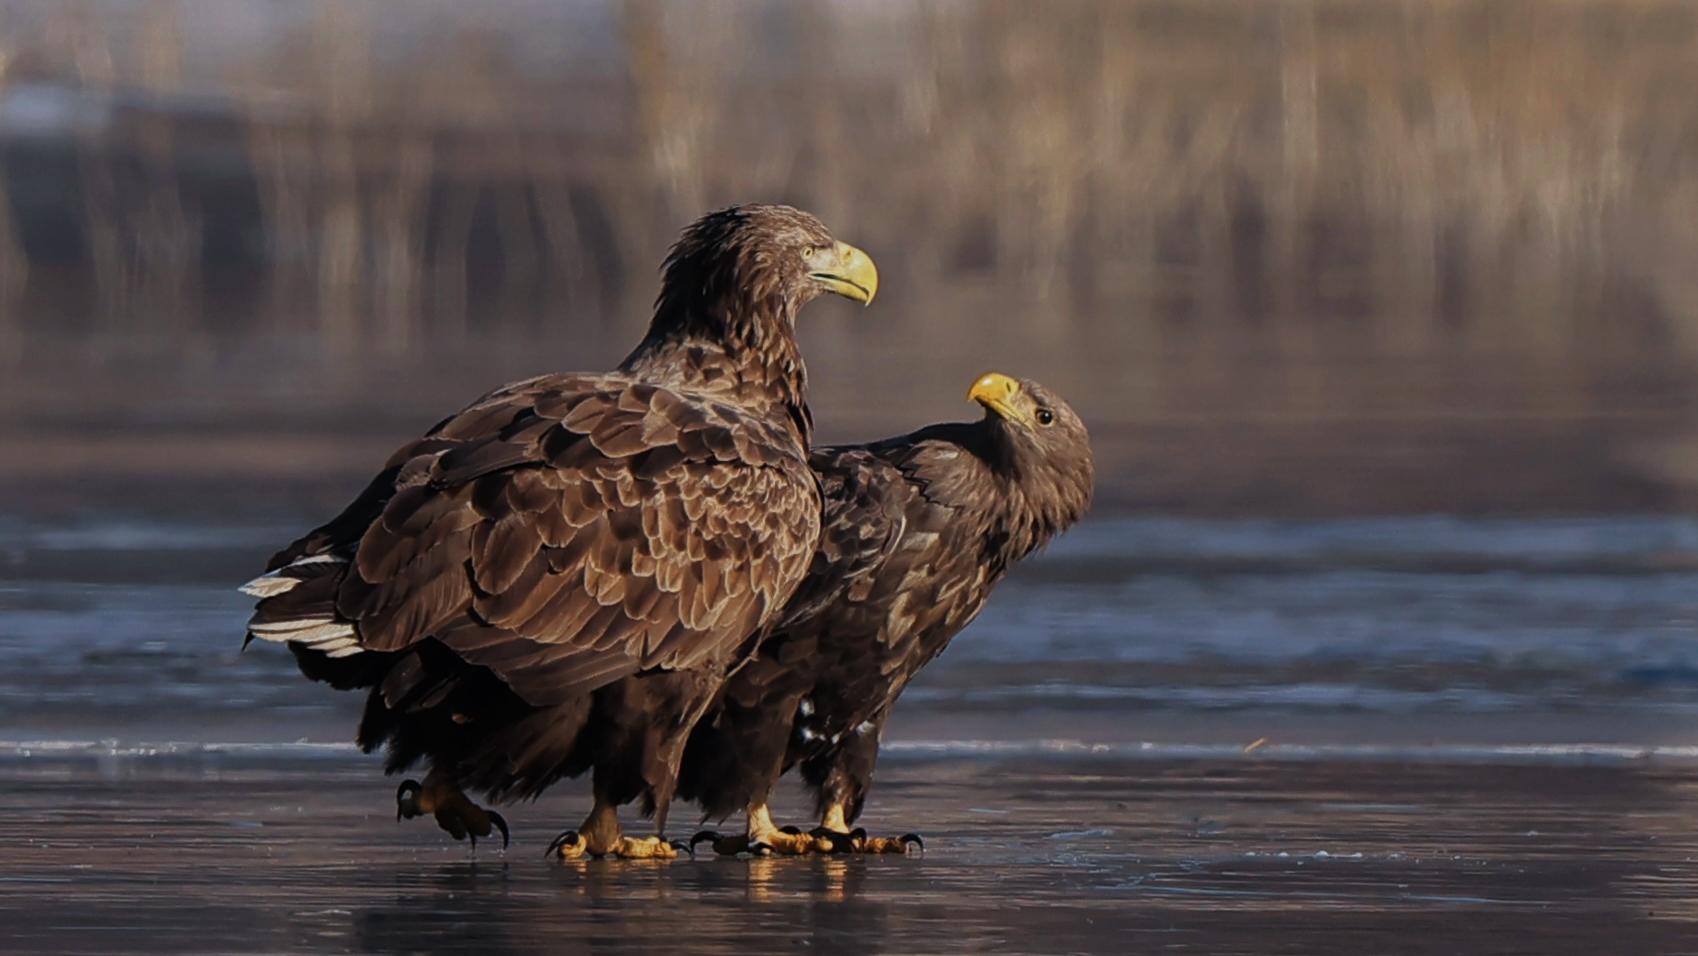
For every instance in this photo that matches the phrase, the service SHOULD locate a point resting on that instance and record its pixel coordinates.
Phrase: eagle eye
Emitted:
(1045, 417)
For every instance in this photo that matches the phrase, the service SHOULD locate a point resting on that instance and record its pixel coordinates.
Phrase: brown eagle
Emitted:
(558, 577)
(917, 531)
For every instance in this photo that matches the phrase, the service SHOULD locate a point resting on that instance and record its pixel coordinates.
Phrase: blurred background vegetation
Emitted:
(1288, 256)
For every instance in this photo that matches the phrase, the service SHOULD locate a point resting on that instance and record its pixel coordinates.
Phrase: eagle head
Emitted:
(1042, 448)
(762, 262)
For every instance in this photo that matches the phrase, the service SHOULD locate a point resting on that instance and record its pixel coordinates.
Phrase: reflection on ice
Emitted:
(1102, 854)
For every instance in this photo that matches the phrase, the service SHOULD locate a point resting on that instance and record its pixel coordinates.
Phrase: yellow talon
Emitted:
(890, 844)
(575, 845)
(644, 848)
(788, 841)
(834, 825)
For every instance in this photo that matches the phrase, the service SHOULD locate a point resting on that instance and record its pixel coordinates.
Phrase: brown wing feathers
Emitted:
(566, 532)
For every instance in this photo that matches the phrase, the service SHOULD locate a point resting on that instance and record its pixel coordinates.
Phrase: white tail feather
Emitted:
(314, 631)
(269, 585)
(276, 582)
(333, 645)
(323, 634)
(287, 630)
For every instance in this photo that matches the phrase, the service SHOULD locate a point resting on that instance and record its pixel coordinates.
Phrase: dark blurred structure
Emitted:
(1288, 256)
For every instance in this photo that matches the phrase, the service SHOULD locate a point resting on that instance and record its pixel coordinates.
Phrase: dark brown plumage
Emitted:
(918, 530)
(557, 578)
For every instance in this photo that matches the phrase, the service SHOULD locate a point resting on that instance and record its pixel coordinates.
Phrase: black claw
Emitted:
(500, 824)
(858, 835)
(703, 836)
(836, 842)
(759, 849)
(565, 839)
(682, 847)
(407, 787)
(913, 838)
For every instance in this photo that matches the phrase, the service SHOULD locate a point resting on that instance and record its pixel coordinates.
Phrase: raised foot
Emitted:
(857, 841)
(575, 845)
(453, 810)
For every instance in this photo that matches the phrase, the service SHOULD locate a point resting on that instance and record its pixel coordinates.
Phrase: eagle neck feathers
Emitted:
(732, 341)
(974, 469)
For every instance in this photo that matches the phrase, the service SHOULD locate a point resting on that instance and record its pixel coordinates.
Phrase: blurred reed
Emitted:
(1296, 175)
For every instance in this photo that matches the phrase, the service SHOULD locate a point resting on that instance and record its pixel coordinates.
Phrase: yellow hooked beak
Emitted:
(845, 270)
(997, 392)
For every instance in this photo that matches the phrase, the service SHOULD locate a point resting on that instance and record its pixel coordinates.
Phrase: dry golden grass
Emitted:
(1482, 175)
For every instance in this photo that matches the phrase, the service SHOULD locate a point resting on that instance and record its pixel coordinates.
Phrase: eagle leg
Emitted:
(600, 836)
(834, 828)
(787, 841)
(454, 811)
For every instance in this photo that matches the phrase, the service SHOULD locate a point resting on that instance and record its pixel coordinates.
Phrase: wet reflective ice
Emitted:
(1164, 735)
